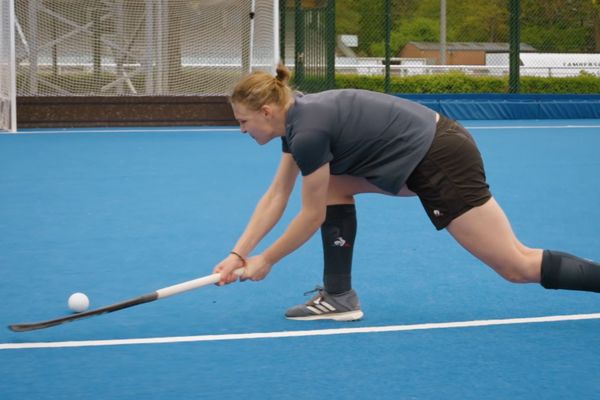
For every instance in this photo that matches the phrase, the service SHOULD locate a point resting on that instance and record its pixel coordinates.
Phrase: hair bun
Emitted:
(282, 73)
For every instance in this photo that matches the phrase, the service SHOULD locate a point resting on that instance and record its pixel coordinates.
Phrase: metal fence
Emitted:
(201, 47)
(328, 41)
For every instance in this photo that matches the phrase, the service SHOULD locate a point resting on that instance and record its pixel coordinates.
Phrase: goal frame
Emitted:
(11, 118)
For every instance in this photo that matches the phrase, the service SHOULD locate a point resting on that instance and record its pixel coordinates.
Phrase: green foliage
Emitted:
(585, 83)
(477, 21)
(462, 83)
(348, 17)
(418, 29)
(550, 25)
(558, 39)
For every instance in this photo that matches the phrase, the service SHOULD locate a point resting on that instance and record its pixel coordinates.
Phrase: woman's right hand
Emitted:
(227, 267)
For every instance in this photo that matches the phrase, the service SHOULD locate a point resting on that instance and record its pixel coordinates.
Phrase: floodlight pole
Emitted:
(515, 41)
(388, 29)
(442, 32)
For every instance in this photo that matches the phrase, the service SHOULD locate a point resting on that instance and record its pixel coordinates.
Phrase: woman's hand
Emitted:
(226, 268)
(257, 268)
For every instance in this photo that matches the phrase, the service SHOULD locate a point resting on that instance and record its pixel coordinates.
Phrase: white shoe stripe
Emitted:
(322, 308)
(314, 310)
(329, 306)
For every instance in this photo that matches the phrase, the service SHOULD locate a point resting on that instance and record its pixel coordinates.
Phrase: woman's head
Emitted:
(261, 88)
(259, 103)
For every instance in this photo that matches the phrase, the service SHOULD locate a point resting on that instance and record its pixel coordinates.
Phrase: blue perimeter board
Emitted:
(484, 106)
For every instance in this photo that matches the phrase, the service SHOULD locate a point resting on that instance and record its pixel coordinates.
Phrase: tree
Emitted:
(549, 25)
(596, 24)
(559, 25)
(478, 21)
(347, 21)
(418, 29)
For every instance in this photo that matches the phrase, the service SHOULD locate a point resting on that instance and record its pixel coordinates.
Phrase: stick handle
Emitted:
(193, 284)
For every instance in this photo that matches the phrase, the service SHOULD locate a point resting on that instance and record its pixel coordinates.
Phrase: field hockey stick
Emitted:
(147, 298)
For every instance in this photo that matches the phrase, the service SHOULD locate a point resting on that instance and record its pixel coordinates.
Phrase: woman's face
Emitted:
(258, 124)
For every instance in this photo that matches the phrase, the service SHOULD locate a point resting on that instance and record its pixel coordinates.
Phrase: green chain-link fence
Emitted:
(443, 46)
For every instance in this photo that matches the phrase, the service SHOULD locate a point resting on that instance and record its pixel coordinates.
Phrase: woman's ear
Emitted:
(267, 111)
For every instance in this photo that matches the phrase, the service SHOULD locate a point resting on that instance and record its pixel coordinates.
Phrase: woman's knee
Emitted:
(515, 276)
(342, 188)
(521, 268)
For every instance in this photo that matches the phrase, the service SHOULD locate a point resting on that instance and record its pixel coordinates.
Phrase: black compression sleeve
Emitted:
(565, 271)
(338, 233)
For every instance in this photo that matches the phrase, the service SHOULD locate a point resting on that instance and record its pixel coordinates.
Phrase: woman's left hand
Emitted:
(257, 268)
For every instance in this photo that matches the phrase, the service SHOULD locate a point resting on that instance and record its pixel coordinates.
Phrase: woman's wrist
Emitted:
(238, 255)
(269, 257)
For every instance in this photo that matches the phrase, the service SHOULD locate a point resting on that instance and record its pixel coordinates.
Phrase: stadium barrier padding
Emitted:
(78, 111)
(511, 106)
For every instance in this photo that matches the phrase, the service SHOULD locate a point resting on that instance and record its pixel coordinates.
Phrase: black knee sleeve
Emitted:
(565, 271)
(338, 233)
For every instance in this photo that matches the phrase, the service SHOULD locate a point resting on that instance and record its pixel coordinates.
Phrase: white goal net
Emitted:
(142, 47)
(8, 105)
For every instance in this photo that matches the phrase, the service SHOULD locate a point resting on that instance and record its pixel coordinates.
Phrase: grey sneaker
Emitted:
(339, 307)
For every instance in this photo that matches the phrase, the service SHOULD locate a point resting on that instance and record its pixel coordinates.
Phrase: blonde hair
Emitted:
(261, 88)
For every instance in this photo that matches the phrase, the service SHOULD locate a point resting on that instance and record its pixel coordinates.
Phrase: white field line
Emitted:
(533, 127)
(133, 130)
(304, 333)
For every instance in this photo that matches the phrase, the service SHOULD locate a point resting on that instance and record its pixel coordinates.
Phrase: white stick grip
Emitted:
(192, 284)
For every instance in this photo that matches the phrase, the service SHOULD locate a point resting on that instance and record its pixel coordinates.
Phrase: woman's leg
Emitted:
(486, 232)
(338, 232)
(337, 301)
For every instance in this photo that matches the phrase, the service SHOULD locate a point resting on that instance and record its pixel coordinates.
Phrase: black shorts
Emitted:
(450, 180)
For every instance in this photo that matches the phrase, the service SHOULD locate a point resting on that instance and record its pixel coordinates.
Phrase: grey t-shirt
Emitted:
(372, 135)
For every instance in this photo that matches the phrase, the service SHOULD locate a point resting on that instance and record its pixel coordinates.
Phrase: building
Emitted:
(457, 53)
